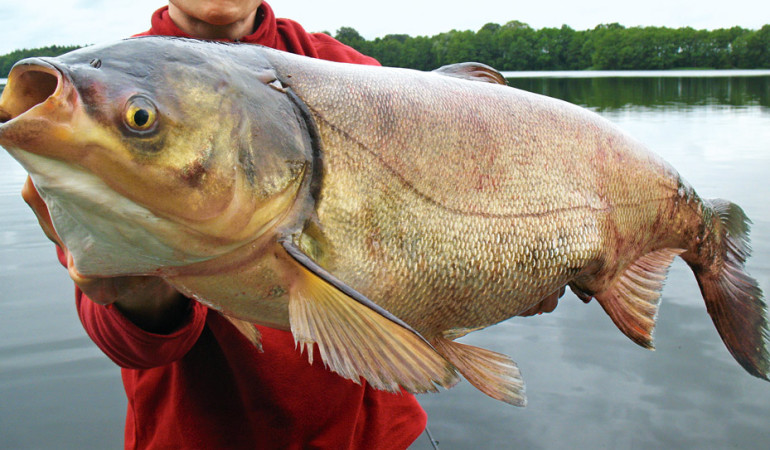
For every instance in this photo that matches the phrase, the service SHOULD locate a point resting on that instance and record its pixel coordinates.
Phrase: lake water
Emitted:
(588, 385)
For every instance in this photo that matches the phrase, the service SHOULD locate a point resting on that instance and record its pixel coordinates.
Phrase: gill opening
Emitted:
(30, 83)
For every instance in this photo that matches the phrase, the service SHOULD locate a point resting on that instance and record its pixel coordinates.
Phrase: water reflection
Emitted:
(608, 93)
(588, 385)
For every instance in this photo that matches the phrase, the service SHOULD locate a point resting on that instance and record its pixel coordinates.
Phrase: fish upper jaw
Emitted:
(38, 99)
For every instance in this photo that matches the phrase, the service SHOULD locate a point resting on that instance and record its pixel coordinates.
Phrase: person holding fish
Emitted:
(378, 213)
(191, 378)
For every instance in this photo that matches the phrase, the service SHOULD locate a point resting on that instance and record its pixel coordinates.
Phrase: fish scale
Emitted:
(459, 236)
(377, 213)
(489, 279)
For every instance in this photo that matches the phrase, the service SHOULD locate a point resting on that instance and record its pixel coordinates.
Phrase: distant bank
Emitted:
(637, 73)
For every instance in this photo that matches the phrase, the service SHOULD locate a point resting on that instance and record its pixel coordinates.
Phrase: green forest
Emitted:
(517, 46)
(8, 60)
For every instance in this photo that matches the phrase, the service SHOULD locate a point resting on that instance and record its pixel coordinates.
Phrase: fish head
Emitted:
(155, 152)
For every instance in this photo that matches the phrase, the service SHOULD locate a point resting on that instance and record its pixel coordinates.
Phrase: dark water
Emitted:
(658, 93)
(588, 385)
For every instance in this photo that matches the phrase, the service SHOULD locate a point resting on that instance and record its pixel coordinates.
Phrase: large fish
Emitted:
(377, 213)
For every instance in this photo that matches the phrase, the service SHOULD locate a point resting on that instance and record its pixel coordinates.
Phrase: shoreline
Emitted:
(674, 73)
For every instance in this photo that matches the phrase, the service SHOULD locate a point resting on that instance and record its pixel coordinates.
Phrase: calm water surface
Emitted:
(588, 385)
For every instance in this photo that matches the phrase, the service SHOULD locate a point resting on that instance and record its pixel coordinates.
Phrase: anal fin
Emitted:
(490, 372)
(632, 301)
(356, 338)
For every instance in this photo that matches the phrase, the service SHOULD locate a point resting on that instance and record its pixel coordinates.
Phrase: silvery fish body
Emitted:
(378, 213)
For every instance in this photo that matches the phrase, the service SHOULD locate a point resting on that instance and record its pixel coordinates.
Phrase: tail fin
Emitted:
(733, 298)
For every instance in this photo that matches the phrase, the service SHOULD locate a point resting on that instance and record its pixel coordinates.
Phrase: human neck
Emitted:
(204, 30)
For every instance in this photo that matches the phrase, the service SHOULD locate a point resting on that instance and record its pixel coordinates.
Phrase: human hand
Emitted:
(149, 302)
(30, 195)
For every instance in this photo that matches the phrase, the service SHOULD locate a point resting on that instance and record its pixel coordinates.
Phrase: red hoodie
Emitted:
(205, 387)
(281, 34)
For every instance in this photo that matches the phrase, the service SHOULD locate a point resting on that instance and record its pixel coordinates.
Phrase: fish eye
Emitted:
(140, 114)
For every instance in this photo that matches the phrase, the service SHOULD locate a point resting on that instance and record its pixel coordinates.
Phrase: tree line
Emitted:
(517, 46)
(8, 60)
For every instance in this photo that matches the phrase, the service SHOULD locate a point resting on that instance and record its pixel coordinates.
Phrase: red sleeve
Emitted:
(128, 345)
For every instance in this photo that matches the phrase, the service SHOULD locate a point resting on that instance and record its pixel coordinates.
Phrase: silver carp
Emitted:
(378, 213)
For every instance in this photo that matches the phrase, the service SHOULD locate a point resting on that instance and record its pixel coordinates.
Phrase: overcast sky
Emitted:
(35, 23)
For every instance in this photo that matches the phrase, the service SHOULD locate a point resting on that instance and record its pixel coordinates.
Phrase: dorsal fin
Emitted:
(473, 71)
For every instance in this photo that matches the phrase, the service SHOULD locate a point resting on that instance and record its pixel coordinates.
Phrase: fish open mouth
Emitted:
(31, 82)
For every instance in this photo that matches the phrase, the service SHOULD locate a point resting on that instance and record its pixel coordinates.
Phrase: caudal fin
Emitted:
(733, 298)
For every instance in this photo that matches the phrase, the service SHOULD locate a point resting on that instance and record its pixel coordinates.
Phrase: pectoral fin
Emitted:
(632, 301)
(357, 338)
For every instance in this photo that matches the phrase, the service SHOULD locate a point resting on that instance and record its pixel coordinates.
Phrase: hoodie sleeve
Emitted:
(128, 345)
